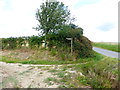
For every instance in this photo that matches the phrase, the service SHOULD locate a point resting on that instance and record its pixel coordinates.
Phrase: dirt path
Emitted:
(24, 76)
(16, 75)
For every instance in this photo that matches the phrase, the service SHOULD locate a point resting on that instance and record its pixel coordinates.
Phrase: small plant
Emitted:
(62, 86)
(50, 80)
(53, 70)
(24, 72)
(41, 72)
(61, 74)
(53, 52)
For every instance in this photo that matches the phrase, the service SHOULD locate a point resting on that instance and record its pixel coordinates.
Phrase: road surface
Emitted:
(107, 52)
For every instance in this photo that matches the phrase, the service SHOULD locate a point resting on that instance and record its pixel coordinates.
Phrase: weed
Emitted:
(46, 68)
(50, 80)
(62, 86)
(82, 80)
(19, 65)
(27, 71)
(11, 80)
(39, 67)
(53, 70)
(41, 72)
(53, 52)
(61, 74)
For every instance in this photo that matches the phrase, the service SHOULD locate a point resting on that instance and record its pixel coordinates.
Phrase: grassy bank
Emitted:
(7, 59)
(100, 74)
(108, 46)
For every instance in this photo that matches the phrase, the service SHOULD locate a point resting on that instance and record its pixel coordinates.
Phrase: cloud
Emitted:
(81, 3)
(91, 16)
(18, 17)
(106, 27)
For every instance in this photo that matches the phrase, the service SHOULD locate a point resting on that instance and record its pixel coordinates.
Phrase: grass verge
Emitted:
(6, 59)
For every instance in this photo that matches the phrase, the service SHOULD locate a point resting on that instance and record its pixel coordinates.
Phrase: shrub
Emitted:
(9, 43)
(83, 47)
(20, 42)
(4, 43)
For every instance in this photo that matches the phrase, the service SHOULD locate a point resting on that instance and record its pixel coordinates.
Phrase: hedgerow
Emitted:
(20, 42)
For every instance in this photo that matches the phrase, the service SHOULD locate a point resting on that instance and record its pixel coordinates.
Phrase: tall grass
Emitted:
(96, 74)
(109, 46)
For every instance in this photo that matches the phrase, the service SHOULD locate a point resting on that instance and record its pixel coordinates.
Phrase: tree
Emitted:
(51, 17)
(71, 31)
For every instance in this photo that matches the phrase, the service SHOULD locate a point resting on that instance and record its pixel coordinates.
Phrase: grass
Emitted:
(99, 74)
(53, 70)
(98, 71)
(96, 74)
(50, 80)
(24, 72)
(6, 59)
(15, 60)
(109, 46)
(10, 79)
(61, 74)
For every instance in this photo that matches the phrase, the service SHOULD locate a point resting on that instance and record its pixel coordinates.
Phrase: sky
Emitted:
(98, 18)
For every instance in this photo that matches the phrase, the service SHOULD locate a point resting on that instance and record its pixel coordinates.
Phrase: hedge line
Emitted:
(19, 42)
(82, 46)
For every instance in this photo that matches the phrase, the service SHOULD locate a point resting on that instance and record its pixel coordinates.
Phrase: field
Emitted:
(27, 68)
(113, 46)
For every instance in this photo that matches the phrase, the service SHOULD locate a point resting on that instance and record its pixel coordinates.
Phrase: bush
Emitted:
(4, 43)
(83, 47)
(9, 43)
(34, 41)
(19, 42)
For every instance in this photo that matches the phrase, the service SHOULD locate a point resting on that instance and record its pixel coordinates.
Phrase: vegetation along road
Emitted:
(107, 52)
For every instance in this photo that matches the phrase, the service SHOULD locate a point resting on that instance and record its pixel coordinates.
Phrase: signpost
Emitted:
(71, 44)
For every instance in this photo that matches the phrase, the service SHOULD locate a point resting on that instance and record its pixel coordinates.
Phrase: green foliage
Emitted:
(51, 16)
(4, 43)
(61, 74)
(19, 42)
(9, 43)
(83, 47)
(35, 41)
(33, 61)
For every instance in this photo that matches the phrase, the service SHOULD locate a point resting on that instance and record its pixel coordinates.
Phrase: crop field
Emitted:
(113, 46)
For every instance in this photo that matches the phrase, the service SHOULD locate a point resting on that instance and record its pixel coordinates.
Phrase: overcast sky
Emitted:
(98, 18)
